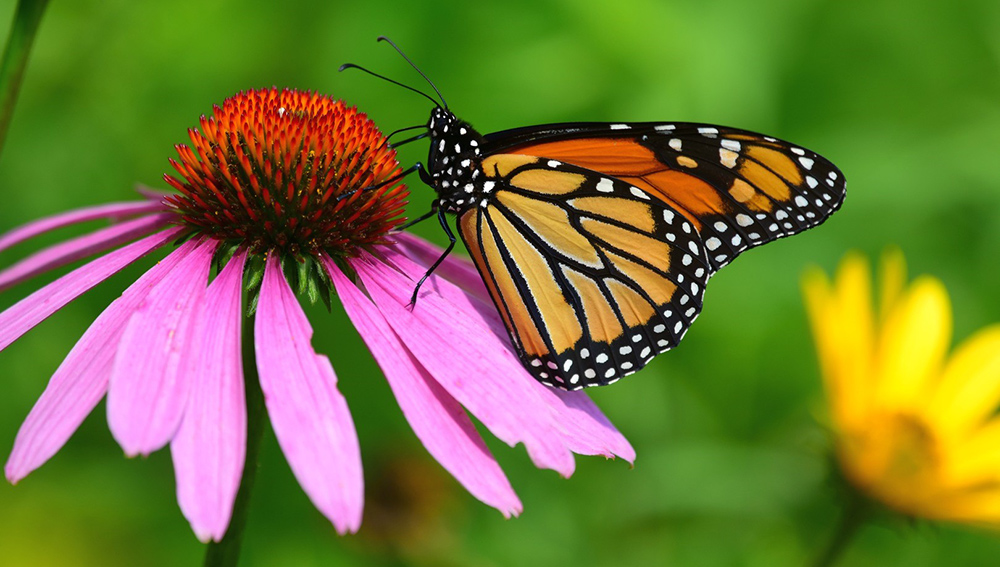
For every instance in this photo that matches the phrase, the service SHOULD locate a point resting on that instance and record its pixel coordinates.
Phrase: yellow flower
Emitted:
(916, 429)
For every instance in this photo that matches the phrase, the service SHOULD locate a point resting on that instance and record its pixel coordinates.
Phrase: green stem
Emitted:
(856, 511)
(227, 551)
(27, 16)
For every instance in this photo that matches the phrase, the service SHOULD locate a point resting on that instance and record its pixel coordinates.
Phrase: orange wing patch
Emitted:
(777, 162)
(602, 323)
(656, 252)
(765, 180)
(635, 310)
(647, 280)
(558, 317)
(502, 164)
(632, 213)
(584, 268)
(487, 256)
(738, 189)
(549, 221)
(618, 157)
(547, 182)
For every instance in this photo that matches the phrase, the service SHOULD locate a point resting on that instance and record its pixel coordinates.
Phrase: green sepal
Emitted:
(253, 275)
(223, 254)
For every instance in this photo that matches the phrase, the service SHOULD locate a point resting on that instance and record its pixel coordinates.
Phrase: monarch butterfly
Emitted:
(596, 240)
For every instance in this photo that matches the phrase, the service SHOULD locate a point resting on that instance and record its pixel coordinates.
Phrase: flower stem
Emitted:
(27, 16)
(226, 553)
(856, 511)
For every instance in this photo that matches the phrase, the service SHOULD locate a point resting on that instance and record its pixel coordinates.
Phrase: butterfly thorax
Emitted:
(454, 162)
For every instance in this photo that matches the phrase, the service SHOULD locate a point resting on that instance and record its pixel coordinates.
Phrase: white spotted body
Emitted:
(454, 162)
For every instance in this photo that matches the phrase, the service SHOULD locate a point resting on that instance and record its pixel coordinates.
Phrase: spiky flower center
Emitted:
(274, 170)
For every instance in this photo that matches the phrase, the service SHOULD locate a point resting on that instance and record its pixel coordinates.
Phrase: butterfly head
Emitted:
(454, 158)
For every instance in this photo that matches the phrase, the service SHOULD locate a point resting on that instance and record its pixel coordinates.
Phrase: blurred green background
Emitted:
(732, 469)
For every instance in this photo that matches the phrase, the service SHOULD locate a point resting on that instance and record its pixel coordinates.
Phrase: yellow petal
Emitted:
(969, 389)
(980, 507)
(914, 340)
(893, 278)
(972, 460)
(841, 319)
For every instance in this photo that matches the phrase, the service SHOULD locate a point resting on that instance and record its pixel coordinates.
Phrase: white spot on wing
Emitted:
(639, 193)
(731, 145)
(605, 185)
(620, 126)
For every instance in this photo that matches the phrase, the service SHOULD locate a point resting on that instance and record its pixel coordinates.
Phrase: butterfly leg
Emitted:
(419, 219)
(451, 246)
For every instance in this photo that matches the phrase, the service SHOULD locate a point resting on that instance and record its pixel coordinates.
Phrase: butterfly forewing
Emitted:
(592, 275)
(738, 188)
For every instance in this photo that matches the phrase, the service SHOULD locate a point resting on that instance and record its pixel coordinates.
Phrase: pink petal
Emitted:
(35, 308)
(152, 193)
(210, 447)
(310, 417)
(470, 363)
(81, 380)
(112, 211)
(72, 250)
(437, 419)
(149, 381)
(584, 427)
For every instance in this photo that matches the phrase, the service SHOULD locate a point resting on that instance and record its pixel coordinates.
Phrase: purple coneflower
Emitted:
(258, 209)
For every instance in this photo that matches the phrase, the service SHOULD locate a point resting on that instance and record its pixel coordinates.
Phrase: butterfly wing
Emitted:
(592, 276)
(740, 189)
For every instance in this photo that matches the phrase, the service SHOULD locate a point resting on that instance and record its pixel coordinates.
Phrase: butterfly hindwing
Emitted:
(740, 189)
(593, 276)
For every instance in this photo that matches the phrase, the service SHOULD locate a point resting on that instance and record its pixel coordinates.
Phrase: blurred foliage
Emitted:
(732, 466)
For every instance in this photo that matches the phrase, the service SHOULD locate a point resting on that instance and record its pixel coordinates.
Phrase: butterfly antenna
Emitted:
(401, 130)
(407, 87)
(429, 82)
